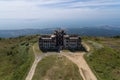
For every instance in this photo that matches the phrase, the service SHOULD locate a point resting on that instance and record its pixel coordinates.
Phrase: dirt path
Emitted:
(38, 57)
(86, 46)
(32, 70)
(78, 59)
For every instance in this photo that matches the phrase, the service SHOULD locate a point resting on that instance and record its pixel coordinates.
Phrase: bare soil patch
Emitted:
(84, 69)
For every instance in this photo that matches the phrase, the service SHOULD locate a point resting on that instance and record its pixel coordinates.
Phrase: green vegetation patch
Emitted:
(16, 57)
(105, 62)
(37, 49)
(65, 50)
(56, 67)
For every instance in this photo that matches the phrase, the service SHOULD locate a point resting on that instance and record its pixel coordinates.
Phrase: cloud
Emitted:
(94, 3)
(76, 3)
(68, 3)
(57, 9)
(44, 12)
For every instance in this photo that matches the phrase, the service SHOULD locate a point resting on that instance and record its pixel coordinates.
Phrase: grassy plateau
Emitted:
(56, 67)
(16, 58)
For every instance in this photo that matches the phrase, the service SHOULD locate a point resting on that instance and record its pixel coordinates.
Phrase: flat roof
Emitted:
(73, 37)
(47, 38)
(66, 35)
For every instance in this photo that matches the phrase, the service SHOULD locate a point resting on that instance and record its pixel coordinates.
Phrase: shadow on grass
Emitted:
(49, 50)
(82, 49)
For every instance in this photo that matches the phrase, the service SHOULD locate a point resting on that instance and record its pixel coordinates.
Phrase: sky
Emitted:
(20, 14)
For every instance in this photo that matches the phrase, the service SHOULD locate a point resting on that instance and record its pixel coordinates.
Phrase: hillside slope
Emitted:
(16, 57)
(84, 31)
(105, 61)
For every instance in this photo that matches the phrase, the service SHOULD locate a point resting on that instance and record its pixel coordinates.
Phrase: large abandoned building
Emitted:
(59, 40)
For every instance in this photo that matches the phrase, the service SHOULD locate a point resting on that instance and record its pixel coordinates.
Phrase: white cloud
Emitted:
(95, 3)
(29, 9)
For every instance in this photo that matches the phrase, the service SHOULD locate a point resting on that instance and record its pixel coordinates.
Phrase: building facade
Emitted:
(59, 40)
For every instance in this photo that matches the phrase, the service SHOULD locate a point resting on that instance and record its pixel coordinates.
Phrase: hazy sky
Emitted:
(17, 14)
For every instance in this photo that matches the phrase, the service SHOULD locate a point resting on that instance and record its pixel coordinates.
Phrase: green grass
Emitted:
(65, 50)
(16, 57)
(26, 59)
(36, 47)
(105, 62)
(56, 67)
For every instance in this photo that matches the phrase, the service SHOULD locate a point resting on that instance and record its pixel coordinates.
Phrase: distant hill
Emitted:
(84, 31)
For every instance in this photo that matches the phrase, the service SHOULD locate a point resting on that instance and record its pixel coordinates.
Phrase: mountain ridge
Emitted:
(83, 31)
